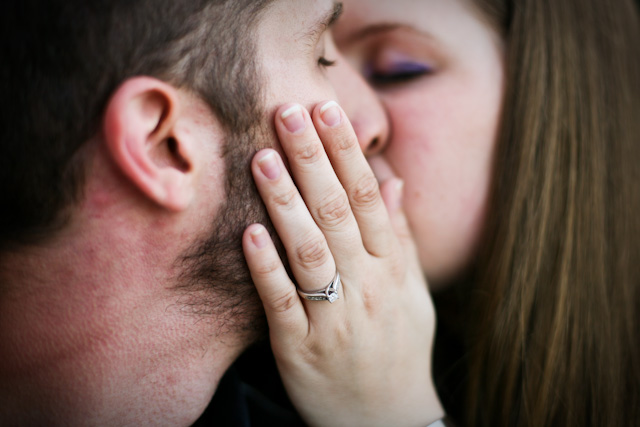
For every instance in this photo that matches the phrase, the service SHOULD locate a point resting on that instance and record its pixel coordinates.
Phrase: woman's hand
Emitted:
(366, 358)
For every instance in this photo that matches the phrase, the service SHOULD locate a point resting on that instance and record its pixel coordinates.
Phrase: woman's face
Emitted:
(438, 68)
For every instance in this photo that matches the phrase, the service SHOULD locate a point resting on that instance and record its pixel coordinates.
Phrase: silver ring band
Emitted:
(329, 293)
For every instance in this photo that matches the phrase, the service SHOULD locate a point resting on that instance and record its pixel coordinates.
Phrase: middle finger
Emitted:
(307, 250)
(323, 193)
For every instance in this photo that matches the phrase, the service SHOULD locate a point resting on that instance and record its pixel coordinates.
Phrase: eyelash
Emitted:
(324, 62)
(410, 73)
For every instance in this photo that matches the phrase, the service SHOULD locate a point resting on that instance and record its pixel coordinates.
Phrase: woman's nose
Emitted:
(362, 106)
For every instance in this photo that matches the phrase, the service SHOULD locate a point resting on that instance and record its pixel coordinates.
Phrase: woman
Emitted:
(515, 131)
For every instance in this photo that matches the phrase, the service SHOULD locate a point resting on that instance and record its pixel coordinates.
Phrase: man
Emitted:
(128, 130)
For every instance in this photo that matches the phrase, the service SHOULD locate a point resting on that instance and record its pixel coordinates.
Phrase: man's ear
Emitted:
(140, 134)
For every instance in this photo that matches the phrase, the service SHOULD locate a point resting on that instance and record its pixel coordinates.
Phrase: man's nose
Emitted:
(362, 106)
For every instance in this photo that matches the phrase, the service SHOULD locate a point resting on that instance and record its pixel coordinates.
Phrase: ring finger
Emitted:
(309, 255)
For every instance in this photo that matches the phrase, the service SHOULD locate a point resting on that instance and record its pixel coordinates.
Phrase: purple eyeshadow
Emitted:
(396, 72)
(408, 68)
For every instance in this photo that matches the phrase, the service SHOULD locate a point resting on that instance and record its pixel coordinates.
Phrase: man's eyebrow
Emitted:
(334, 15)
(323, 23)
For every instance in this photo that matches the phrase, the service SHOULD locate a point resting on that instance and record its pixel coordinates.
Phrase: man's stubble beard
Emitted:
(214, 281)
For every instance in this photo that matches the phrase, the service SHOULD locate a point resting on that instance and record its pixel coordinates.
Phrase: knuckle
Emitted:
(398, 269)
(343, 335)
(311, 352)
(307, 153)
(366, 192)
(313, 253)
(371, 300)
(344, 143)
(267, 268)
(335, 211)
(284, 303)
(285, 199)
(327, 341)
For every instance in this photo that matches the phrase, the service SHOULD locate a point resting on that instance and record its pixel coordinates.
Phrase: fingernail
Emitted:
(330, 113)
(269, 166)
(293, 119)
(259, 237)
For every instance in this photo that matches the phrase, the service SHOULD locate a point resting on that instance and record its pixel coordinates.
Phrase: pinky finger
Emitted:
(391, 191)
(288, 321)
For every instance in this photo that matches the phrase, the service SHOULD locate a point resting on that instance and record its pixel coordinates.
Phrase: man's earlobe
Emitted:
(140, 134)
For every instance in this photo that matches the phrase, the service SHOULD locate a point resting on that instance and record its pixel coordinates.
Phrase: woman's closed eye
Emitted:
(397, 73)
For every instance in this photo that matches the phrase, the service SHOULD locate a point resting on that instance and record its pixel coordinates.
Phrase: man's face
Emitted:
(293, 45)
(294, 48)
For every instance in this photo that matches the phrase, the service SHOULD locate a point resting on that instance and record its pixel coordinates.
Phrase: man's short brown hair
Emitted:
(62, 59)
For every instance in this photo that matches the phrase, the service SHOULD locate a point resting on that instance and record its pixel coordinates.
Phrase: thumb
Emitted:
(287, 318)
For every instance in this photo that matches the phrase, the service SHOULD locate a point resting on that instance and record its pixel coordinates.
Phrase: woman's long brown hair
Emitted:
(555, 305)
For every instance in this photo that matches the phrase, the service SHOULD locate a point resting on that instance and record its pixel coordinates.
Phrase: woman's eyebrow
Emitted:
(328, 19)
(385, 27)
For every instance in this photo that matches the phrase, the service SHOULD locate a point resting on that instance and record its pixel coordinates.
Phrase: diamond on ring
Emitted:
(329, 293)
(332, 297)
